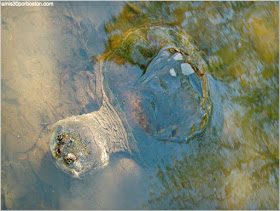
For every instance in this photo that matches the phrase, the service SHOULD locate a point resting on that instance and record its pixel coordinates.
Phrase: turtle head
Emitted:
(75, 149)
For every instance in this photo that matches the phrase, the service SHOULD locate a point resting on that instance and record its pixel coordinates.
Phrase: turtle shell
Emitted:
(158, 82)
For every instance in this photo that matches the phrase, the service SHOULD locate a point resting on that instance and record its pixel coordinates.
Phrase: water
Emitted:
(47, 75)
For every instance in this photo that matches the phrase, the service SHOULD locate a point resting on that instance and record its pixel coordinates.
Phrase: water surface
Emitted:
(47, 75)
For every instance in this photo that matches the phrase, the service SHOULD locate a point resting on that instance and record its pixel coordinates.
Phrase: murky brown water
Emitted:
(47, 75)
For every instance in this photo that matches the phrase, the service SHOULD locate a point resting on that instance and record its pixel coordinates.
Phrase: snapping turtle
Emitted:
(155, 82)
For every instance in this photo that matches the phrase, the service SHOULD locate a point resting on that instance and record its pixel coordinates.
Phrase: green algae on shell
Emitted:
(157, 68)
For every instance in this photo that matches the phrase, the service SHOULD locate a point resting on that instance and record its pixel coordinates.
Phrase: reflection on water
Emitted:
(47, 75)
